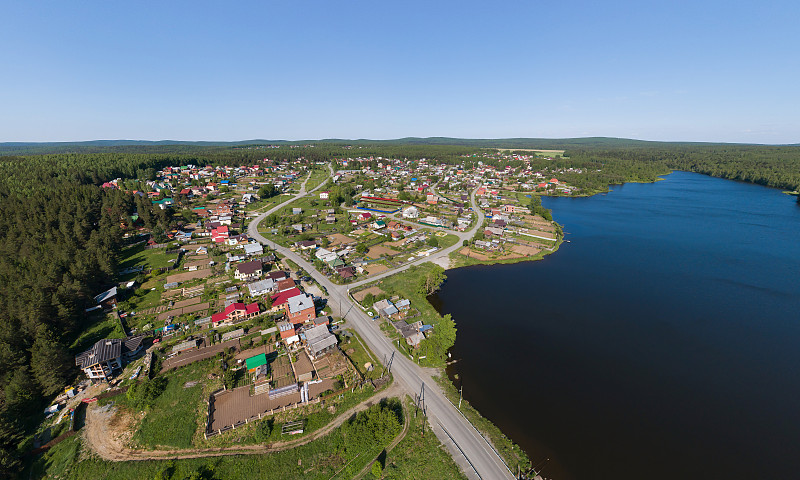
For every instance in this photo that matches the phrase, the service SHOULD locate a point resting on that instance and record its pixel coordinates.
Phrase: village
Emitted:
(248, 333)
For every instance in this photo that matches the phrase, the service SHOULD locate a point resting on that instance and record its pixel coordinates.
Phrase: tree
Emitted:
(433, 241)
(431, 281)
(268, 191)
(362, 248)
(368, 300)
(50, 362)
(10, 437)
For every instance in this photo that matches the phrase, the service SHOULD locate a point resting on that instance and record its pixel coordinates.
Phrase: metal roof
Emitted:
(256, 361)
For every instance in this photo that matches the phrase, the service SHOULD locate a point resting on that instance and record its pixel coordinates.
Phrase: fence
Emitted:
(211, 433)
(79, 410)
(209, 414)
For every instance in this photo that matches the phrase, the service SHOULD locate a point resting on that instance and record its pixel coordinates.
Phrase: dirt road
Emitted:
(106, 434)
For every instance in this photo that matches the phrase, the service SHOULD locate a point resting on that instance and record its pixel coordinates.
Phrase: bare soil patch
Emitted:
(376, 268)
(375, 291)
(339, 239)
(380, 251)
(525, 250)
(185, 277)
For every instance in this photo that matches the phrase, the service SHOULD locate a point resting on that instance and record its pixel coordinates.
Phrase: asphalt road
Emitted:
(470, 450)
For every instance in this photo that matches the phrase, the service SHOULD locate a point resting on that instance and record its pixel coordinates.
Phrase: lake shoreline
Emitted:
(637, 388)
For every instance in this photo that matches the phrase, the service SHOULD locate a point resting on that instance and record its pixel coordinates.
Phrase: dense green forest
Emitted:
(60, 233)
(777, 167)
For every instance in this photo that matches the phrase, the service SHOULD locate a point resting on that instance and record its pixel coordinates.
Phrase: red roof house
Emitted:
(283, 297)
(235, 312)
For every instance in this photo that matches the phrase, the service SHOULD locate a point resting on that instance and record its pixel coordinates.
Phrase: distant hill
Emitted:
(23, 148)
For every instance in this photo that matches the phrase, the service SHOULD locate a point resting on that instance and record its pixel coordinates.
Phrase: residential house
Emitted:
(252, 249)
(106, 357)
(319, 341)
(285, 284)
(277, 275)
(410, 332)
(279, 300)
(107, 299)
(346, 272)
(489, 231)
(382, 305)
(300, 309)
(411, 212)
(235, 313)
(261, 287)
(220, 234)
(404, 304)
(287, 332)
(248, 270)
(306, 244)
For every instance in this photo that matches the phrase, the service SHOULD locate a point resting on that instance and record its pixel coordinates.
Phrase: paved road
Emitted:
(470, 450)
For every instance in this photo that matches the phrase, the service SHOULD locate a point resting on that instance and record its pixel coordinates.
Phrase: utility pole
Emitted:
(460, 395)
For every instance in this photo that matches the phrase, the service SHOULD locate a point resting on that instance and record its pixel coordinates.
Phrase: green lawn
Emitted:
(175, 416)
(263, 205)
(448, 240)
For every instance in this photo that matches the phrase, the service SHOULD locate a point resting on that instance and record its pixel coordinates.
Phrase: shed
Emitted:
(256, 361)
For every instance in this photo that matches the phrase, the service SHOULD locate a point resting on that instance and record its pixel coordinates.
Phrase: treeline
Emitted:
(771, 166)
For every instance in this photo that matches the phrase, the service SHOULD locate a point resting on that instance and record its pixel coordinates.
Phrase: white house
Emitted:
(410, 212)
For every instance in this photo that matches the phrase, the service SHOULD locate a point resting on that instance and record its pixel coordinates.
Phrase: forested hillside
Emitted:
(777, 167)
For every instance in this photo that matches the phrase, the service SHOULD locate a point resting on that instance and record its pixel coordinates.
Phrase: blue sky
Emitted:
(690, 71)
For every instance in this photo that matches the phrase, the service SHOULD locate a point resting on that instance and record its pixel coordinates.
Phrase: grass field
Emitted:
(263, 205)
(361, 355)
(96, 326)
(320, 459)
(448, 240)
(419, 452)
(318, 175)
(174, 418)
(152, 258)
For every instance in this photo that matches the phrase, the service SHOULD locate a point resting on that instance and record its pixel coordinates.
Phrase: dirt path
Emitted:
(105, 434)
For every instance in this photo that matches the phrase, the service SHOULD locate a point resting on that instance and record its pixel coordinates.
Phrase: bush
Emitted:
(377, 471)
(144, 394)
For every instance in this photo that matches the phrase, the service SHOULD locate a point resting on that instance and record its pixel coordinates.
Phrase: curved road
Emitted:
(469, 448)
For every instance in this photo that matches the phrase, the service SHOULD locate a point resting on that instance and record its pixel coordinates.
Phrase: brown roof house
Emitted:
(248, 270)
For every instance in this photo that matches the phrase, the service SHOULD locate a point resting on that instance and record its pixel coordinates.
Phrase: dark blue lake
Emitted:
(663, 341)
